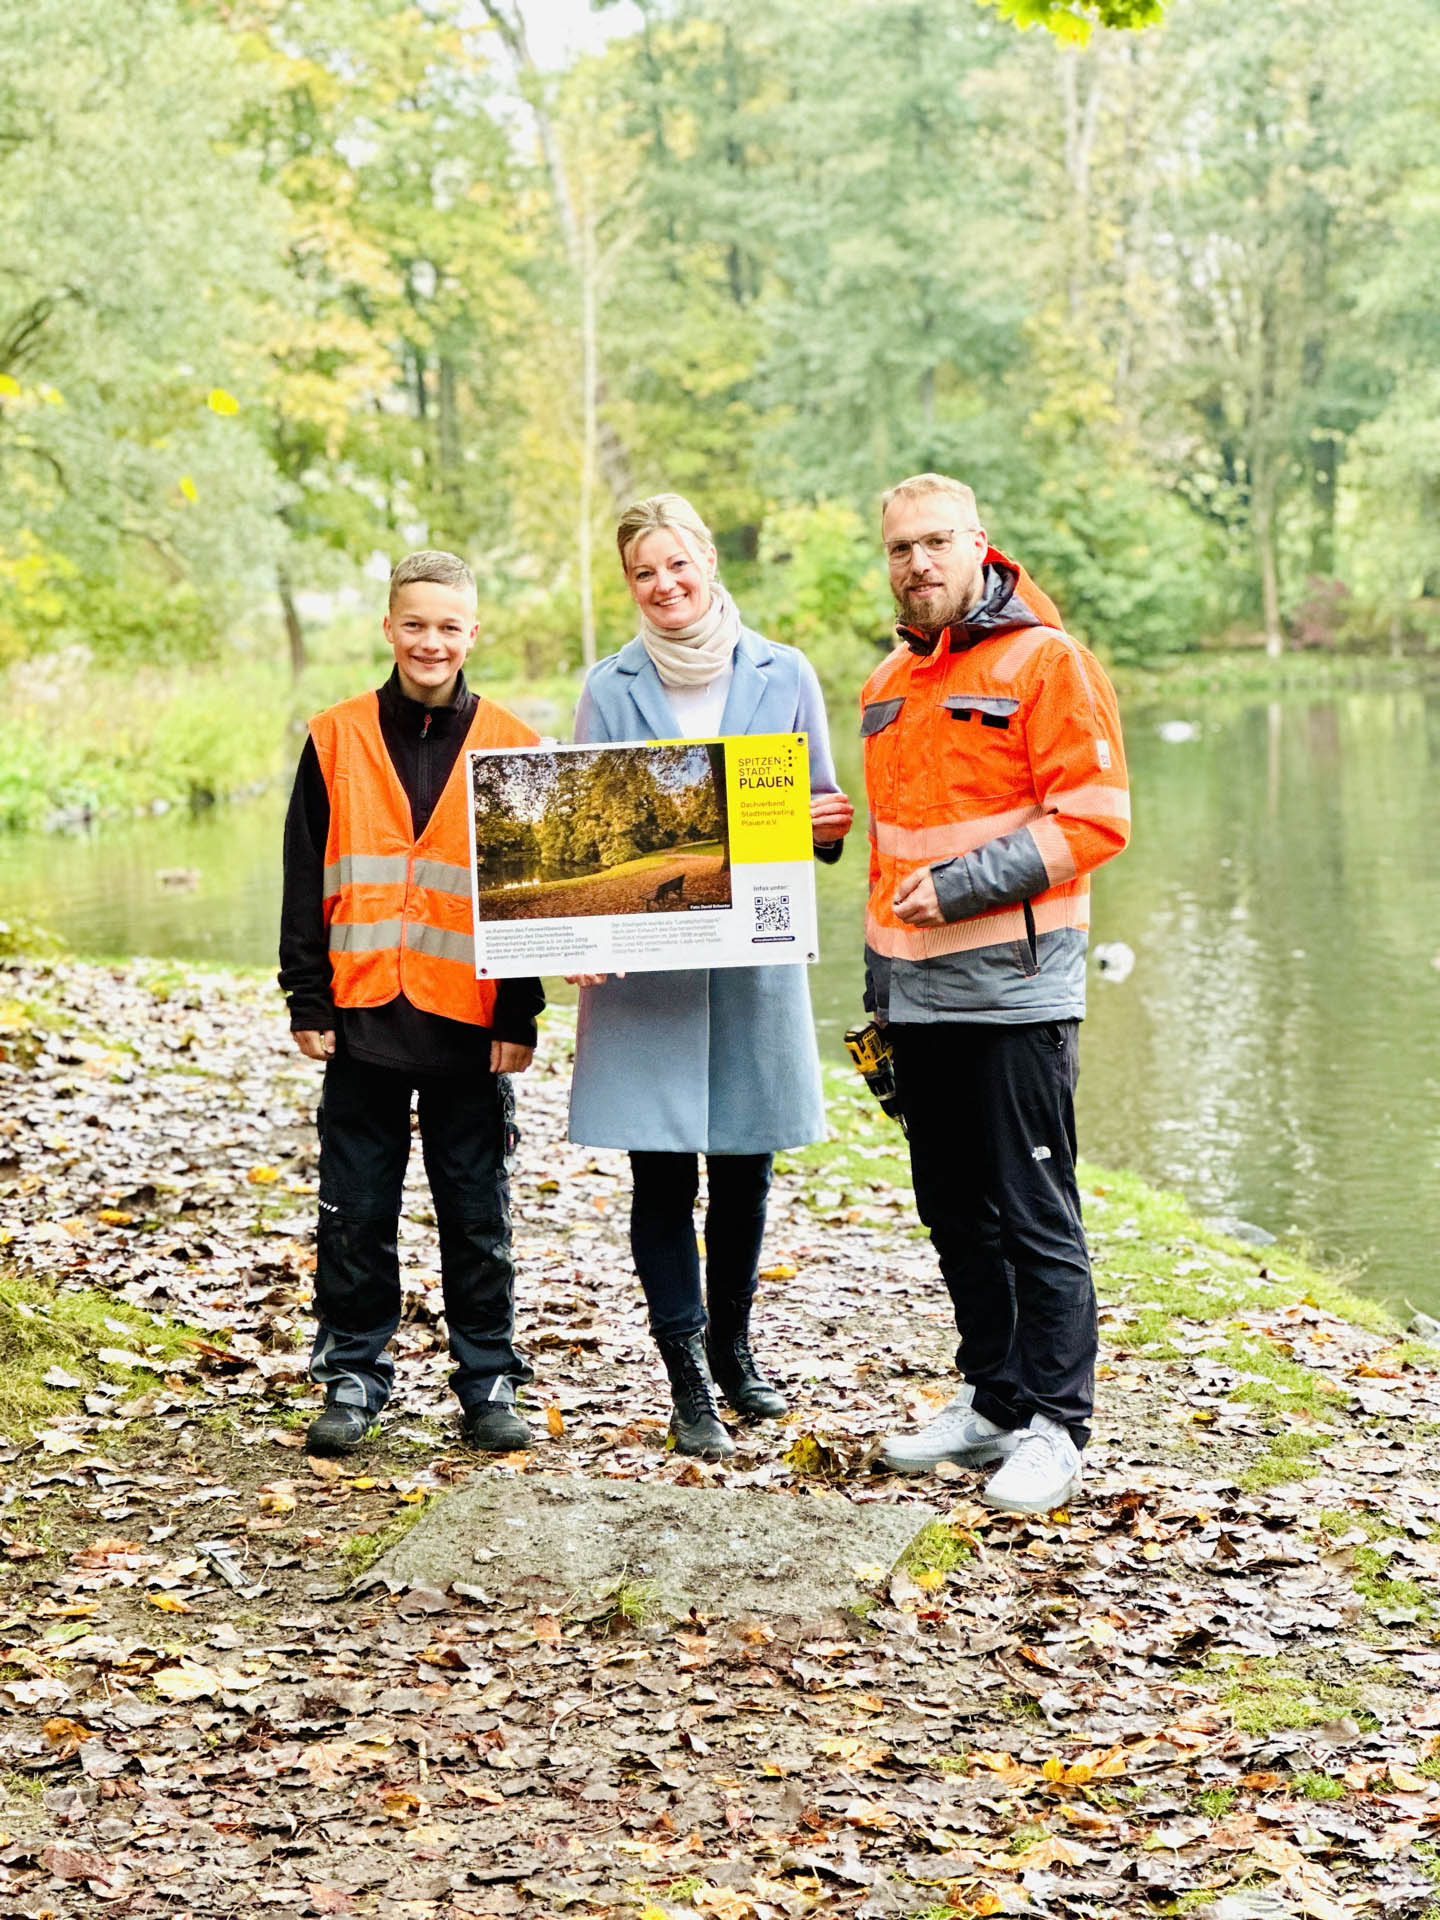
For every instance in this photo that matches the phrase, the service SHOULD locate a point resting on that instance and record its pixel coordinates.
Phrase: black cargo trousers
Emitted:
(991, 1114)
(466, 1134)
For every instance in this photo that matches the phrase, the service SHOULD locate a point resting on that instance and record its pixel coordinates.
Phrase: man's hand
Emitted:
(315, 1045)
(831, 815)
(508, 1056)
(915, 901)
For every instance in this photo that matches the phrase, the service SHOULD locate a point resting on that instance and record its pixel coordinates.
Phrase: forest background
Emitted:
(290, 286)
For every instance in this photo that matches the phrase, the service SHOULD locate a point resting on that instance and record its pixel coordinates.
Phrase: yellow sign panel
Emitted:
(767, 790)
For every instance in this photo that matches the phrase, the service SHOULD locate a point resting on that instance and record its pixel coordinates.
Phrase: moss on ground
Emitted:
(934, 1551)
(43, 1328)
(362, 1550)
(1264, 1695)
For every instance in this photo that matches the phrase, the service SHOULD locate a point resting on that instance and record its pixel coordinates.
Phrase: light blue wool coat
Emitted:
(721, 1060)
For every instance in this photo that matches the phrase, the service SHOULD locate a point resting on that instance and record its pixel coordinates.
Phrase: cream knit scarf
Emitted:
(692, 656)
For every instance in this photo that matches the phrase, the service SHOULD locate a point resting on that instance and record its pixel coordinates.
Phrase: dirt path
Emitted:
(1214, 1679)
(702, 882)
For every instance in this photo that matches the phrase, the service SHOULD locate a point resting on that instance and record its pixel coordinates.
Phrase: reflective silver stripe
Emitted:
(350, 936)
(440, 944)
(366, 870)
(441, 877)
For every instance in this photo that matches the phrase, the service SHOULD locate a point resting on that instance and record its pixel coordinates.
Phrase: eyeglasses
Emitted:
(937, 545)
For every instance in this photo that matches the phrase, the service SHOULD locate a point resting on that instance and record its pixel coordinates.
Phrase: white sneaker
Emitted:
(1043, 1471)
(956, 1433)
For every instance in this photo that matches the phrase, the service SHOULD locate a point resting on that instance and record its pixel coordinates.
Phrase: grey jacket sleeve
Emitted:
(995, 875)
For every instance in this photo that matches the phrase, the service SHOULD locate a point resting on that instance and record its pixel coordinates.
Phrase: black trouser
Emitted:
(662, 1237)
(364, 1122)
(991, 1113)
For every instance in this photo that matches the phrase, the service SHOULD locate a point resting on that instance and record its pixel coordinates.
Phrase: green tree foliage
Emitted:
(1073, 20)
(137, 255)
(552, 814)
(287, 284)
(388, 399)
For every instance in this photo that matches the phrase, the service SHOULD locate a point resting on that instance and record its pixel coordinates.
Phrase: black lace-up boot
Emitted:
(733, 1367)
(695, 1419)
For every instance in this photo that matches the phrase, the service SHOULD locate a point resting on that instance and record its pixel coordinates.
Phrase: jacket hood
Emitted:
(1010, 601)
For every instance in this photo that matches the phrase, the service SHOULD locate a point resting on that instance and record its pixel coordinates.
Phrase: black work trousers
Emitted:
(662, 1238)
(991, 1113)
(465, 1128)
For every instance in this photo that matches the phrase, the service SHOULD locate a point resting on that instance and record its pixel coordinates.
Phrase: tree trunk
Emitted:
(589, 384)
(1269, 567)
(1081, 123)
(448, 457)
(722, 802)
(294, 630)
(1324, 442)
(509, 21)
(1264, 471)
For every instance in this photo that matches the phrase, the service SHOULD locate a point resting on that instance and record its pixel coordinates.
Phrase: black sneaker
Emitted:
(338, 1429)
(494, 1427)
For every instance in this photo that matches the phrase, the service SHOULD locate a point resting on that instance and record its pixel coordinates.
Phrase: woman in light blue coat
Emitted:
(720, 1062)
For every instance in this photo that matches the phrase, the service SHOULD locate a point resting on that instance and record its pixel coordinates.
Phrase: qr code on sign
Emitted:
(772, 912)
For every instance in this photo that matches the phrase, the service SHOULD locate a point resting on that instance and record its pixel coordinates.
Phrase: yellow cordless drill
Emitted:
(875, 1059)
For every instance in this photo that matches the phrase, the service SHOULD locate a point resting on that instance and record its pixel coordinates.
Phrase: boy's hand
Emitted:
(508, 1056)
(315, 1046)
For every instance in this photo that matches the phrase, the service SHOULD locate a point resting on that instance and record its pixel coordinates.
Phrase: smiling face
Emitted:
(670, 576)
(936, 561)
(430, 628)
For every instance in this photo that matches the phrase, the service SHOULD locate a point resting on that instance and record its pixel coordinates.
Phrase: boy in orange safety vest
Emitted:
(377, 963)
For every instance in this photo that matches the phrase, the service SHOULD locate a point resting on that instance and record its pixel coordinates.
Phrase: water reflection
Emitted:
(1275, 1052)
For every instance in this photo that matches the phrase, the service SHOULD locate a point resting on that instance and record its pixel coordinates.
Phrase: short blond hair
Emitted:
(920, 484)
(432, 564)
(662, 513)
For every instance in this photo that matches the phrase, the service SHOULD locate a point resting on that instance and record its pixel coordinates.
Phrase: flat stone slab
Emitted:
(725, 1551)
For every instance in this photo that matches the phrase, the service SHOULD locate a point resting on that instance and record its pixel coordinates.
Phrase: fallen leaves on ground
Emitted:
(1202, 1679)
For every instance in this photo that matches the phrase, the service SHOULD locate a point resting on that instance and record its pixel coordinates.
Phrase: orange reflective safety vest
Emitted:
(996, 760)
(397, 908)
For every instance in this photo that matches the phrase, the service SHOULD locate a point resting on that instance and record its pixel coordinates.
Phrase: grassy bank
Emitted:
(1248, 673)
(864, 1162)
(80, 743)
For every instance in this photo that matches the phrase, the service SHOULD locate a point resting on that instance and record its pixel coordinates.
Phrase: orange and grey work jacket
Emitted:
(993, 756)
(397, 909)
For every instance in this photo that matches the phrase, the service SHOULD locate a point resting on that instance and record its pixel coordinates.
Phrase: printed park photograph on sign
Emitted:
(642, 857)
(605, 830)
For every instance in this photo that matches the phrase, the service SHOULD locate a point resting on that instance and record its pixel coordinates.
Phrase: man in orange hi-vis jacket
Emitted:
(996, 778)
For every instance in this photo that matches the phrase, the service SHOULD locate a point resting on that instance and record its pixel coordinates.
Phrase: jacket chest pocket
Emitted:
(988, 709)
(880, 736)
(980, 753)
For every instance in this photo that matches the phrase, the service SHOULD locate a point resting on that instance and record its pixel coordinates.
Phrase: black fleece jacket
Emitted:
(424, 744)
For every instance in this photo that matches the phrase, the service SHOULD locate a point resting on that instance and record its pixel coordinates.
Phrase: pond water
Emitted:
(1275, 1051)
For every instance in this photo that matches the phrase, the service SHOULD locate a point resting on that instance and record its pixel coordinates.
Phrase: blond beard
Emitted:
(934, 619)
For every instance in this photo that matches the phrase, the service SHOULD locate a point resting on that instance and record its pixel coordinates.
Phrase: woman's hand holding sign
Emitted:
(831, 815)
